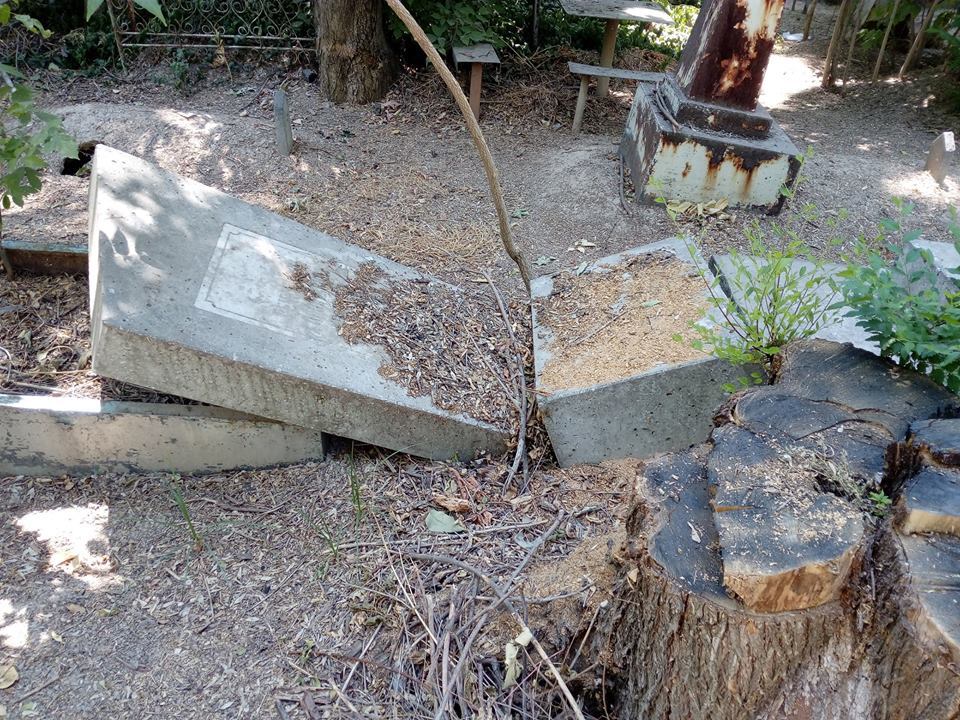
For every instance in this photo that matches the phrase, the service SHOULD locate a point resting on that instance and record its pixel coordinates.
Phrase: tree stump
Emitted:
(755, 582)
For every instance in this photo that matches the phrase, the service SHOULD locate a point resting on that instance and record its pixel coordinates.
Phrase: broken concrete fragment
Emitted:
(930, 503)
(938, 440)
(785, 544)
(639, 413)
(50, 436)
(942, 151)
(201, 295)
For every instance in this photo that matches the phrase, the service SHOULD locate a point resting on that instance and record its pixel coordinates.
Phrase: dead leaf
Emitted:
(57, 637)
(511, 651)
(74, 608)
(453, 504)
(8, 676)
(440, 522)
(694, 533)
(633, 576)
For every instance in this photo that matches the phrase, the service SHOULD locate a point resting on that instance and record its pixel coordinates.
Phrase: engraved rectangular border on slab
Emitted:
(244, 282)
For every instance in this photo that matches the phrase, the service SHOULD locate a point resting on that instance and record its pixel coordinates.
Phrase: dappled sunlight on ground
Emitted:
(76, 541)
(787, 76)
(920, 183)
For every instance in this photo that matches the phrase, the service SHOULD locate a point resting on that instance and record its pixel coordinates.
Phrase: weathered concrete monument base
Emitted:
(700, 135)
(683, 150)
(198, 294)
(660, 406)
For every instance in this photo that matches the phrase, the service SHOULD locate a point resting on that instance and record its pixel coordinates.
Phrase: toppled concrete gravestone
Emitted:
(51, 436)
(612, 380)
(761, 552)
(201, 295)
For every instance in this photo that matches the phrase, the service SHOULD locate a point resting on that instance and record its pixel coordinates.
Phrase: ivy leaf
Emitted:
(92, 7)
(152, 7)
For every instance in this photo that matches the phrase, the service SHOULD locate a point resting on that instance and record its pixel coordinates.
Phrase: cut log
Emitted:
(913, 657)
(786, 545)
(938, 441)
(674, 645)
(930, 503)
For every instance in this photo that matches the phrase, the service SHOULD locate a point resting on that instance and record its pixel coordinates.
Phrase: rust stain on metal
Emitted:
(724, 61)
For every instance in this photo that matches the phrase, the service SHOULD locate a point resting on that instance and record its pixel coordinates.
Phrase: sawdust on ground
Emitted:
(614, 323)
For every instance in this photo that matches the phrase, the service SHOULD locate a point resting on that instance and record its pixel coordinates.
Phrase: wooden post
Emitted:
(810, 9)
(829, 65)
(918, 41)
(281, 117)
(581, 104)
(883, 44)
(476, 81)
(606, 54)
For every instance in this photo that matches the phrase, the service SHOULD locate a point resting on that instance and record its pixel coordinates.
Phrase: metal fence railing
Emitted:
(231, 24)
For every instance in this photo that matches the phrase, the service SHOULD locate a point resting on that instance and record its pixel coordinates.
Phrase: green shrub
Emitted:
(783, 300)
(909, 309)
(27, 134)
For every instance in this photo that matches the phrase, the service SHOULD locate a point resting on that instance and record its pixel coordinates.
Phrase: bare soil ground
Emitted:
(297, 593)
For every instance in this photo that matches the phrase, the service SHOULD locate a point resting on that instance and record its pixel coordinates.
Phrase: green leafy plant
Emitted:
(909, 308)
(151, 6)
(454, 23)
(763, 301)
(26, 132)
(177, 494)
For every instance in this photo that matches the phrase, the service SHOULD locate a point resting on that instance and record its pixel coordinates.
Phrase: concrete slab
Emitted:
(201, 295)
(50, 436)
(945, 256)
(840, 329)
(666, 408)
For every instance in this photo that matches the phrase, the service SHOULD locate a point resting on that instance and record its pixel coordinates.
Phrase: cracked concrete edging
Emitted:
(664, 409)
(50, 436)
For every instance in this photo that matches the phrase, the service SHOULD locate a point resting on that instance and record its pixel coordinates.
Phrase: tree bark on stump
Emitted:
(355, 62)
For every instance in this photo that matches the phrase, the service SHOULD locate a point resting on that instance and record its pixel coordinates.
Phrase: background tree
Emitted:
(355, 62)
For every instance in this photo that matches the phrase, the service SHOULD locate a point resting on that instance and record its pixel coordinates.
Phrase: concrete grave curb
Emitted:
(49, 436)
(664, 409)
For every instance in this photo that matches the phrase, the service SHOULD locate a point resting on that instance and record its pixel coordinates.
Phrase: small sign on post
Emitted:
(941, 153)
(281, 117)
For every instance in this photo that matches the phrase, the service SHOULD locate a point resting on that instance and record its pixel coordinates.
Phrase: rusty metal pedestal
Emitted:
(700, 135)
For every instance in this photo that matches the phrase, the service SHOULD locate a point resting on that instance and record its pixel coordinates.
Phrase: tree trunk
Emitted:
(355, 62)
(681, 638)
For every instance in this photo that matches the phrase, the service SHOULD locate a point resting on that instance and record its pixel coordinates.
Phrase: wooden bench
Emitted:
(478, 56)
(588, 71)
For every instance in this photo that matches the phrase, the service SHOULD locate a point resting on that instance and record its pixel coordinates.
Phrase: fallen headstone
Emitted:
(200, 295)
(941, 153)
